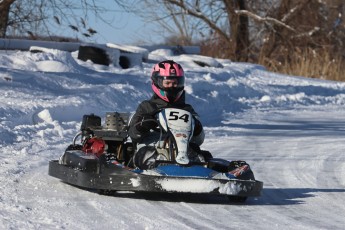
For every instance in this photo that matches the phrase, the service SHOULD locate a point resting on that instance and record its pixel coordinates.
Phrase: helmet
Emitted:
(167, 70)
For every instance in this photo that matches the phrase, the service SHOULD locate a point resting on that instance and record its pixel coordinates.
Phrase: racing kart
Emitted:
(106, 160)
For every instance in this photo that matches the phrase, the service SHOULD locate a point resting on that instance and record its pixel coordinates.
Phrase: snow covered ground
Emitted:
(291, 130)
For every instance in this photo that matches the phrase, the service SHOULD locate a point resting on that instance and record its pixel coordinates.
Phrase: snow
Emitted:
(290, 129)
(200, 186)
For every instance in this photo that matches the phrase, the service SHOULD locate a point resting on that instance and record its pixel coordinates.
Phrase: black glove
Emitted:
(146, 123)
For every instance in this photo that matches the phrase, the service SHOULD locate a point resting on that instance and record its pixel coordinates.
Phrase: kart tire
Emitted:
(106, 192)
(237, 199)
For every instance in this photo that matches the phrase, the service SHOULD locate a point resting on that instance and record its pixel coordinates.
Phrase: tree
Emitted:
(294, 26)
(4, 13)
(198, 20)
(269, 32)
(36, 17)
(249, 30)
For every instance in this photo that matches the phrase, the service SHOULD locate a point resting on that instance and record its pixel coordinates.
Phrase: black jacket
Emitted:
(143, 119)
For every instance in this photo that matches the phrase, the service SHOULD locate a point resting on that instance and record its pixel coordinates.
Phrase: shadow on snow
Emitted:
(289, 196)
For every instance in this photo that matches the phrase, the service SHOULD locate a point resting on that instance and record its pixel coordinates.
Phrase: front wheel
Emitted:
(106, 192)
(237, 199)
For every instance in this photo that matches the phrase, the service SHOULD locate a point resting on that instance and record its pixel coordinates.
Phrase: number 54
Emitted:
(174, 115)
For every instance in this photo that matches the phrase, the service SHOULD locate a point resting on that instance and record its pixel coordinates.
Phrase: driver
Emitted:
(168, 86)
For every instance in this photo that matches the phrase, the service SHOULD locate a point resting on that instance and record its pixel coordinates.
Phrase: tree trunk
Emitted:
(4, 12)
(239, 32)
(242, 39)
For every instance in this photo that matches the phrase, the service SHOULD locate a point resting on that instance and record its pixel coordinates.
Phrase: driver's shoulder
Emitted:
(148, 106)
(189, 108)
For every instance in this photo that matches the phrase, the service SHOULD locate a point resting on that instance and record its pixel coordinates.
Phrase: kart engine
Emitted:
(109, 138)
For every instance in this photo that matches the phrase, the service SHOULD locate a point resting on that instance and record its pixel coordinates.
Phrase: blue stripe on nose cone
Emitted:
(185, 171)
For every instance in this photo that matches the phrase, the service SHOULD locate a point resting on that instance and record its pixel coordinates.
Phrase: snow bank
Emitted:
(289, 129)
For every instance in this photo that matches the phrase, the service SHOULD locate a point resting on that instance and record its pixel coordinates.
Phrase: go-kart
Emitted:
(105, 159)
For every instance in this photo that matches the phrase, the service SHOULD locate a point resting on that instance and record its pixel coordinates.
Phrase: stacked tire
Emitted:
(94, 54)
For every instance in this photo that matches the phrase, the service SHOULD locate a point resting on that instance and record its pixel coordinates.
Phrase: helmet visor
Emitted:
(168, 82)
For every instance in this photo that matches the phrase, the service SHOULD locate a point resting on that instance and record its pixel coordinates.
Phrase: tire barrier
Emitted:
(124, 62)
(95, 54)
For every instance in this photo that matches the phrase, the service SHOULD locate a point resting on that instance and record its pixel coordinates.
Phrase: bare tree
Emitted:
(297, 25)
(215, 24)
(197, 20)
(37, 17)
(249, 30)
(264, 31)
(4, 13)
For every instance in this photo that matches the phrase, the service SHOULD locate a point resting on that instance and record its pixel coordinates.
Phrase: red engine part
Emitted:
(94, 145)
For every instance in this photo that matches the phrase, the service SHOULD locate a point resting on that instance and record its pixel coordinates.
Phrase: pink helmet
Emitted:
(167, 70)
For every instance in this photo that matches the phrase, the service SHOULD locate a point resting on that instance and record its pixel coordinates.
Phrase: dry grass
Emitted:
(310, 63)
(321, 63)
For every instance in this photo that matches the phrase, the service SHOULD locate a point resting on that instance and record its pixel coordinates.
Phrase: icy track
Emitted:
(291, 130)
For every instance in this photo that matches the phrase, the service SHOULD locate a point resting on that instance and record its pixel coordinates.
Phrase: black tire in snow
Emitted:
(95, 54)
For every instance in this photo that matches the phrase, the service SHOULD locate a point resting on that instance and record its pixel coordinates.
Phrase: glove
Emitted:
(145, 124)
